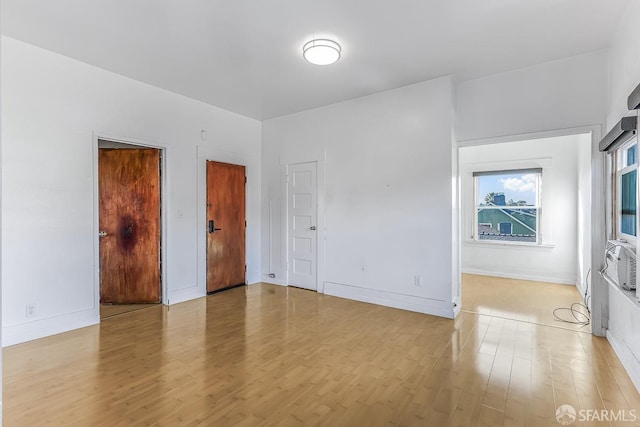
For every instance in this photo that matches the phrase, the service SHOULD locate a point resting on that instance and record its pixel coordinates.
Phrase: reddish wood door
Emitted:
(129, 217)
(225, 225)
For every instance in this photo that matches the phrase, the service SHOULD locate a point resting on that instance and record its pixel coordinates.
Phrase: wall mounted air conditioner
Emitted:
(620, 264)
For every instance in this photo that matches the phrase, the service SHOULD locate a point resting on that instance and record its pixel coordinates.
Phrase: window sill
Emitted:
(508, 245)
(630, 295)
(627, 239)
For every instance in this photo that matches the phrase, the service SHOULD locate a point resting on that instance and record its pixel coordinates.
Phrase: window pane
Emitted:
(632, 155)
(628, 203)
(508, 189)
(505, 227)
(514, 225)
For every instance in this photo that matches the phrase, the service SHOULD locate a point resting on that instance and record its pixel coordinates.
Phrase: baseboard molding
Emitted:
(628, 360)
(532, 277)
(40, 328)
(185, 294)
(272, 281)
(391, 299)
(457, 306)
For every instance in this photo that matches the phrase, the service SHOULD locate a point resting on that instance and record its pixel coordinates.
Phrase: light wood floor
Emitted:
(268, 355)
(523, 300)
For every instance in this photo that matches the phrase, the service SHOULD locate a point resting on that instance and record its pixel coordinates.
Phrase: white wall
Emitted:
(623, 64)
(388, 165)
(52, 106)
(624, 76)
(556, 260)
(561, 94)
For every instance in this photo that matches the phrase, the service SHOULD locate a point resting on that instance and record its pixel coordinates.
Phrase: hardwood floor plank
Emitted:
(272, 356)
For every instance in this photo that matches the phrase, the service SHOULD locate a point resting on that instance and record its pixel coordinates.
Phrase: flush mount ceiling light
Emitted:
(321, 51)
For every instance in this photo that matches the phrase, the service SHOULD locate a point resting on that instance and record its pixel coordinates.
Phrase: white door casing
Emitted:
(302, 233)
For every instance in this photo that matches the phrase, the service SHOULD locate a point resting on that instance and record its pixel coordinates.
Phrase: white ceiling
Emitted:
(246, 55)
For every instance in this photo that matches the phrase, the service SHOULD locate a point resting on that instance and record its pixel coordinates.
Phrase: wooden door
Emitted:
(129, 217)
(225, 225)
(302, 196)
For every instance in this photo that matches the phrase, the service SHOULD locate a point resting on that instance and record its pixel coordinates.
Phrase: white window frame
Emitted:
(620, 161)
(538, 206)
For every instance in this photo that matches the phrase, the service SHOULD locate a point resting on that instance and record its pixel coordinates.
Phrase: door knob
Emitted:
(212, 227)
(313, 227)
(102, 234)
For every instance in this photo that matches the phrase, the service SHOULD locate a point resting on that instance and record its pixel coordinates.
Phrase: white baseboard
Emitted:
(40, 328)
(628, 360)
(273, 281)
(457, 306)
(185, 294)
(390, 299)
(533, 277)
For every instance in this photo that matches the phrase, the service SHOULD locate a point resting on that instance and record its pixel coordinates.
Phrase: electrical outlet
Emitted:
(417, 280)
(30, 310)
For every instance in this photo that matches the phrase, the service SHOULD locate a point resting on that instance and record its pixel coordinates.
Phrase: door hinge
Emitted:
(245, 179)
(245, 267)
(245, 224)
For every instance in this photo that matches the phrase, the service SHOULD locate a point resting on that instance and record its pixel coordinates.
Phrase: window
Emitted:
(626, 165)
(507, 205)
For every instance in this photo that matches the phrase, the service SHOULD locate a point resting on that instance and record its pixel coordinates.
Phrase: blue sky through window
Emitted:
(515, 186)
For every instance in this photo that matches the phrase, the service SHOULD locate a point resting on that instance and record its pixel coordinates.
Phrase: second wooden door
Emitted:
(225, 226)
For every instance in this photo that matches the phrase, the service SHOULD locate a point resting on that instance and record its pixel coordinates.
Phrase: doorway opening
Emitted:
(130, 226)
(526, 227)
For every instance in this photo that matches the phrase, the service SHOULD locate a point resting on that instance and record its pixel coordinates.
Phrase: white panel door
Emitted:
(302, 195)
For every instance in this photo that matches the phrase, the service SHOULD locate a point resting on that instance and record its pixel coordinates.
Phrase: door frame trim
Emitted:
(319, 159)
(96, 209)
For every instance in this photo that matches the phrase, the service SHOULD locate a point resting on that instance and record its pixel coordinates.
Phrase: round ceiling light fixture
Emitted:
(321, 51)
